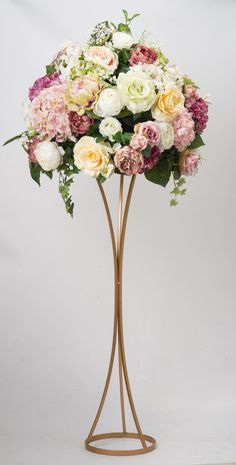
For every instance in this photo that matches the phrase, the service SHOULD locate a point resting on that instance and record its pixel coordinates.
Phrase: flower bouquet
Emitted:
(113, 106)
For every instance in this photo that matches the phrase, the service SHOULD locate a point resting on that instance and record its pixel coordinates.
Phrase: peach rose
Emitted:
(169, 103)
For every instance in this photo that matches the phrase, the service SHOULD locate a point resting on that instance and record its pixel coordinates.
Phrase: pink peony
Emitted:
(48, 115)
(128, 160)
(183, 130)
(150, 162)
(188, 162)
(79, 124)
(150, 130)
(43, 83)
(142, 54)
(138, 142)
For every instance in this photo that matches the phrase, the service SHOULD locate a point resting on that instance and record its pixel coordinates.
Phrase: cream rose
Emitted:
(91, 157)
(137, 90)
(169, 103)
(48, 155)
(167, 135)
(109, 126)
(122, 40)
(109, 103)
(102, 56)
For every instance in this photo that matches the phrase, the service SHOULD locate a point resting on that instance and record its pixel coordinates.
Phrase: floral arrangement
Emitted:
(113, 106)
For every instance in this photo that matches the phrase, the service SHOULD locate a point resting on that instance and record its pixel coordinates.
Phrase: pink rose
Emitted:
(142, 54)
(102, 56)
(79, 124)
(183, 130)
(138, 142)
(150, 130)
(128, 160)
(188, 162)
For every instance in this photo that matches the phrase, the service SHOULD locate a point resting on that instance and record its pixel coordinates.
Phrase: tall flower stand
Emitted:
(148, 443)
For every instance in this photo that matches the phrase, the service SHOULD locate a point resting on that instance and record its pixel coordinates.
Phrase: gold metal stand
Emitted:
(118, 339)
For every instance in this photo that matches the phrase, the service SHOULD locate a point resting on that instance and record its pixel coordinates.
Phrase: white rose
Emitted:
(109, 126)
(48, 155)
(122, 40)
(102, 56)
(137, 90)
(109, 103)
(167, 135)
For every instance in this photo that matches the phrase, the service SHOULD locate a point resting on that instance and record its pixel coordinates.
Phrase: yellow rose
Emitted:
(91, 157)
(169, 103)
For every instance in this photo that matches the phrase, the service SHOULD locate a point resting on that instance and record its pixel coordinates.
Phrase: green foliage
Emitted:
(126, 15)
(64, 190)
(189, 82)
(124, 27)
(35, 171)
(101, 179)
(13, 138)
(50, 69)
(162, 59)
(93, 115)
(147, 151)
(123, 137)
(177, 190)
(197, 142)
(160, 173)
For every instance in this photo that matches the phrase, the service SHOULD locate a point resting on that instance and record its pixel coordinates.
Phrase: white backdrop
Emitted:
(179, 279)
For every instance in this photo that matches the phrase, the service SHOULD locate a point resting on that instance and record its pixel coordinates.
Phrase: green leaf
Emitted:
(126, 136)
(100, 139)
(50, 69)
(49, 174)
(147, 151)
(118, 137)
(197, 142)
(125, 13)
(35, 170)
(13, 138)
(160, 173)
(101, 179)
(173, 202)
(94, 130)
(189, 82)
(123, 27)
(93, 115)
(181, 182)
(124, 113)
(176, 173)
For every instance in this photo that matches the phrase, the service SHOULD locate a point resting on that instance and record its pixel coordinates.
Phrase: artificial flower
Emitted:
(168, 104)
(48, 155)
(79, 124)
(122, 40)
(150, 131)
(109, 126)
(102, 56)
(188, 162)
(91, 157)
(142, 54)
(137, 90)
(128, 160)
(183, 126)
(82, 93)
(109, 103)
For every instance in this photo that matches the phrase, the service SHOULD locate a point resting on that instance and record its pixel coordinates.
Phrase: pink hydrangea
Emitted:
(48, 114)
(142, 54)
(183, 126)
(128, 160)
(199, 112)
(188, 162)
(43, 83)
(191, 96)
(79, 124)
(150, 130)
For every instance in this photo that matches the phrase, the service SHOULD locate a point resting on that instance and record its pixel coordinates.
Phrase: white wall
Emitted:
(179, 280)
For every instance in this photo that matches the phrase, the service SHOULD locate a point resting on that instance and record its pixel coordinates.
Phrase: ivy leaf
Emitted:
(160, 173)
(35, 170)
(13, 138)
(147, 151)
(173, 202)
(197, 142)
(50, 69)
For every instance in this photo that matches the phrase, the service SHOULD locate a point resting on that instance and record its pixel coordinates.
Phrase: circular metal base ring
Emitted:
(99, 437)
